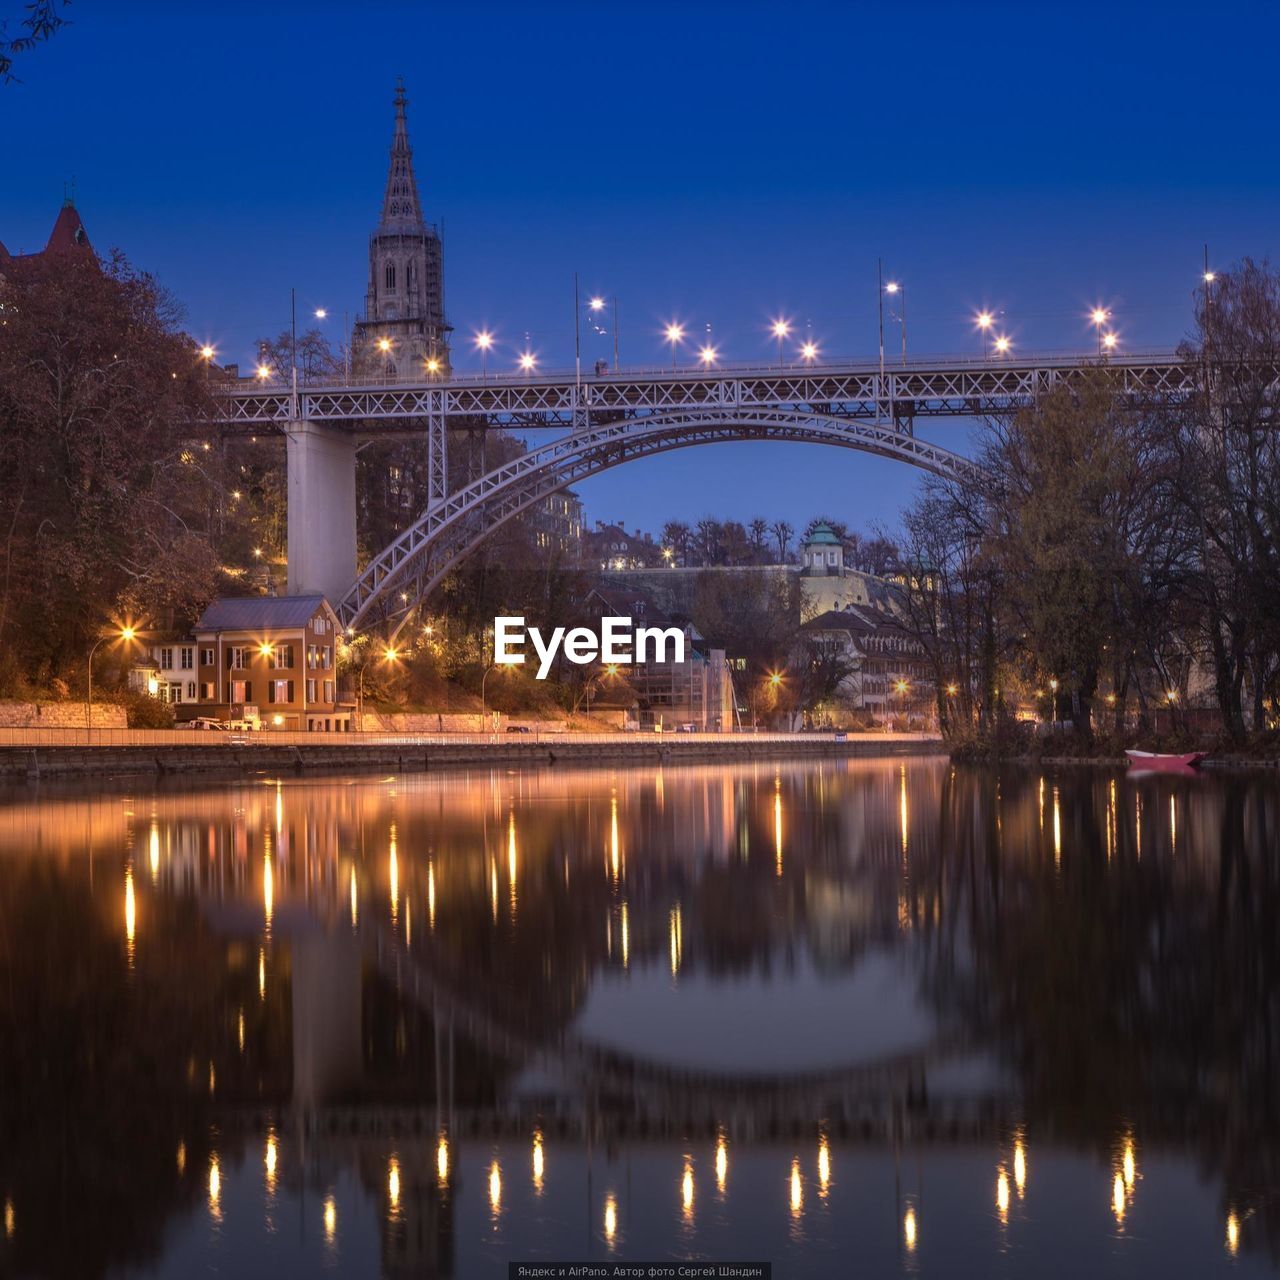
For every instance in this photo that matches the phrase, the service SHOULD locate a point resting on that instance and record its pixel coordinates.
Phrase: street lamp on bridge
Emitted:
(674, 335)
(984, 320)
(484, 340)
(780, 330)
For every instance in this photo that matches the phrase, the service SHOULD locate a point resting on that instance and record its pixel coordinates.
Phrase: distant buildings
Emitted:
(696, 693)
(610, 546)
(557, 524)
(889, 671)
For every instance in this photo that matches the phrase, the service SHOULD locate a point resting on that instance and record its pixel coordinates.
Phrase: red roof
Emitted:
(68, 232)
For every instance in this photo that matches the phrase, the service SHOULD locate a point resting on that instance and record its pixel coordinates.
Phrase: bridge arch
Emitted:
(453, 528)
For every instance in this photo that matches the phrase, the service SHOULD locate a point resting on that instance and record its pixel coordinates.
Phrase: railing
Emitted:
(815, 368)
(39, 738)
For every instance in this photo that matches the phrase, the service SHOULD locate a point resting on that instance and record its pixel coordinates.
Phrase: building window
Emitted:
(206, 658)
(206, 692)
(237, 660)
(328, 690)
(280, 691)
(239, 691)
(191, 690)
(282, 657)
(389, 276)
(175, 691)
(166, 659)
(184, 657)
(311, 690)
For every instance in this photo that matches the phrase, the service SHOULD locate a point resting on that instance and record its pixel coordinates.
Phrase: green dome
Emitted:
(822, 533)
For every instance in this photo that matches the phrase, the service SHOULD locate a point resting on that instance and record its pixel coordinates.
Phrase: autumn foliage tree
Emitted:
(101, 510)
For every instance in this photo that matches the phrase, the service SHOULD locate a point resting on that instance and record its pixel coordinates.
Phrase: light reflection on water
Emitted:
(792, 1012)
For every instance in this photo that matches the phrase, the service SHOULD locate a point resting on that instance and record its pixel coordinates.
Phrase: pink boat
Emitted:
(1153, 761)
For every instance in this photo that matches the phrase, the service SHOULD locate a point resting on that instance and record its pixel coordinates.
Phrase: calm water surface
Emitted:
(863, 1017)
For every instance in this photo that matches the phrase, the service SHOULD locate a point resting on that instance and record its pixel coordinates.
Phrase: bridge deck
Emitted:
(953, 386)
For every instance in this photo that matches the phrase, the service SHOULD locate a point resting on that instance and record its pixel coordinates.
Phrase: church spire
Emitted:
(401, 211)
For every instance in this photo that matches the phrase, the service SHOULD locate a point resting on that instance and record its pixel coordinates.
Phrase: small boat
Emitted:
(1154, 761)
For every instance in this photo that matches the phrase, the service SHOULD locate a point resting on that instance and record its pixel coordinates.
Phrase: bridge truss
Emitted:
(605, 420)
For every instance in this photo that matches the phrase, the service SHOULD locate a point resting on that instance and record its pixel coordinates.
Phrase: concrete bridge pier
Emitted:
(321, 465)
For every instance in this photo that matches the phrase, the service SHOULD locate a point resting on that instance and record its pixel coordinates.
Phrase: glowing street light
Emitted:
(781, 328)
(384, 344)
(1209, 277)
(674, 334)
(125, 633)
(264, 372)
(206, 352)
(484, 340)
(708, 356)
(528, 361)
(1098, 317)
(809, 352)
(433, 365)
(597, 304)
(1002, 345)
(389, 654)
(1109, 341)
(984, 320)
(321, 314)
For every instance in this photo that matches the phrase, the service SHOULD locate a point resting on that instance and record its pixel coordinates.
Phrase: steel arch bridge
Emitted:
(602, 421)
(452, 529)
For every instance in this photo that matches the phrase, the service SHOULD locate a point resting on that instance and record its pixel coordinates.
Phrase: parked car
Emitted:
(518, 728)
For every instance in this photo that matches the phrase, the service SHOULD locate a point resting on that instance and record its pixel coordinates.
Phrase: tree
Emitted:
(316, 359)
(782, 533)
(103, 506)
(1077, 509)
(953, 608)
(753, 617)
(1228, 459)
(758, 534)
(44, 17)
(678, 537)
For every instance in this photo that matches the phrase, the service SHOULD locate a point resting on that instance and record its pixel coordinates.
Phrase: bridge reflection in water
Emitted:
(416, 1026)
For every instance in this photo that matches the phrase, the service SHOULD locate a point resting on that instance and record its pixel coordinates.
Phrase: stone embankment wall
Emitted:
(39, 763)
(59, 715)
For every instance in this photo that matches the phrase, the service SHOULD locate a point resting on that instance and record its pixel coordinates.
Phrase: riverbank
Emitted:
(156, 754)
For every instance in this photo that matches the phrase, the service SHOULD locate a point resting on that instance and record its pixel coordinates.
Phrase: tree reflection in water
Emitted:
(446, 952)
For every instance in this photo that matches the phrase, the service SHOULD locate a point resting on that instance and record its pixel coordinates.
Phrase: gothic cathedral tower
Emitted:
(404, 333)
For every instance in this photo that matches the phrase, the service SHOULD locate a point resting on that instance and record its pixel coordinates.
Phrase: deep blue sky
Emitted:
(719, 163)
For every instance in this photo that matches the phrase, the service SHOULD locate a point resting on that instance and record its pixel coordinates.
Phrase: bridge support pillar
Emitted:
(322, 509)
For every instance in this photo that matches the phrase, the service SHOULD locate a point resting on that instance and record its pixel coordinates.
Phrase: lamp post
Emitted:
(894, 289)
(1099, 317)
(984, 321)
(126, 634)
(673, 335)
(484, 679)
(390, 654)
(781, 328)
(484, 340)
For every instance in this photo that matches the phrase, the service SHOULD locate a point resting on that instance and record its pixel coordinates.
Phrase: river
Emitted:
(871, 1017)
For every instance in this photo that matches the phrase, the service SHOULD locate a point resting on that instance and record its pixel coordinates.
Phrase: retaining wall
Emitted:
(35, 763)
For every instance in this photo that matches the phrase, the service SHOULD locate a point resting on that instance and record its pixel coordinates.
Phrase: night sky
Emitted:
(719, 163)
